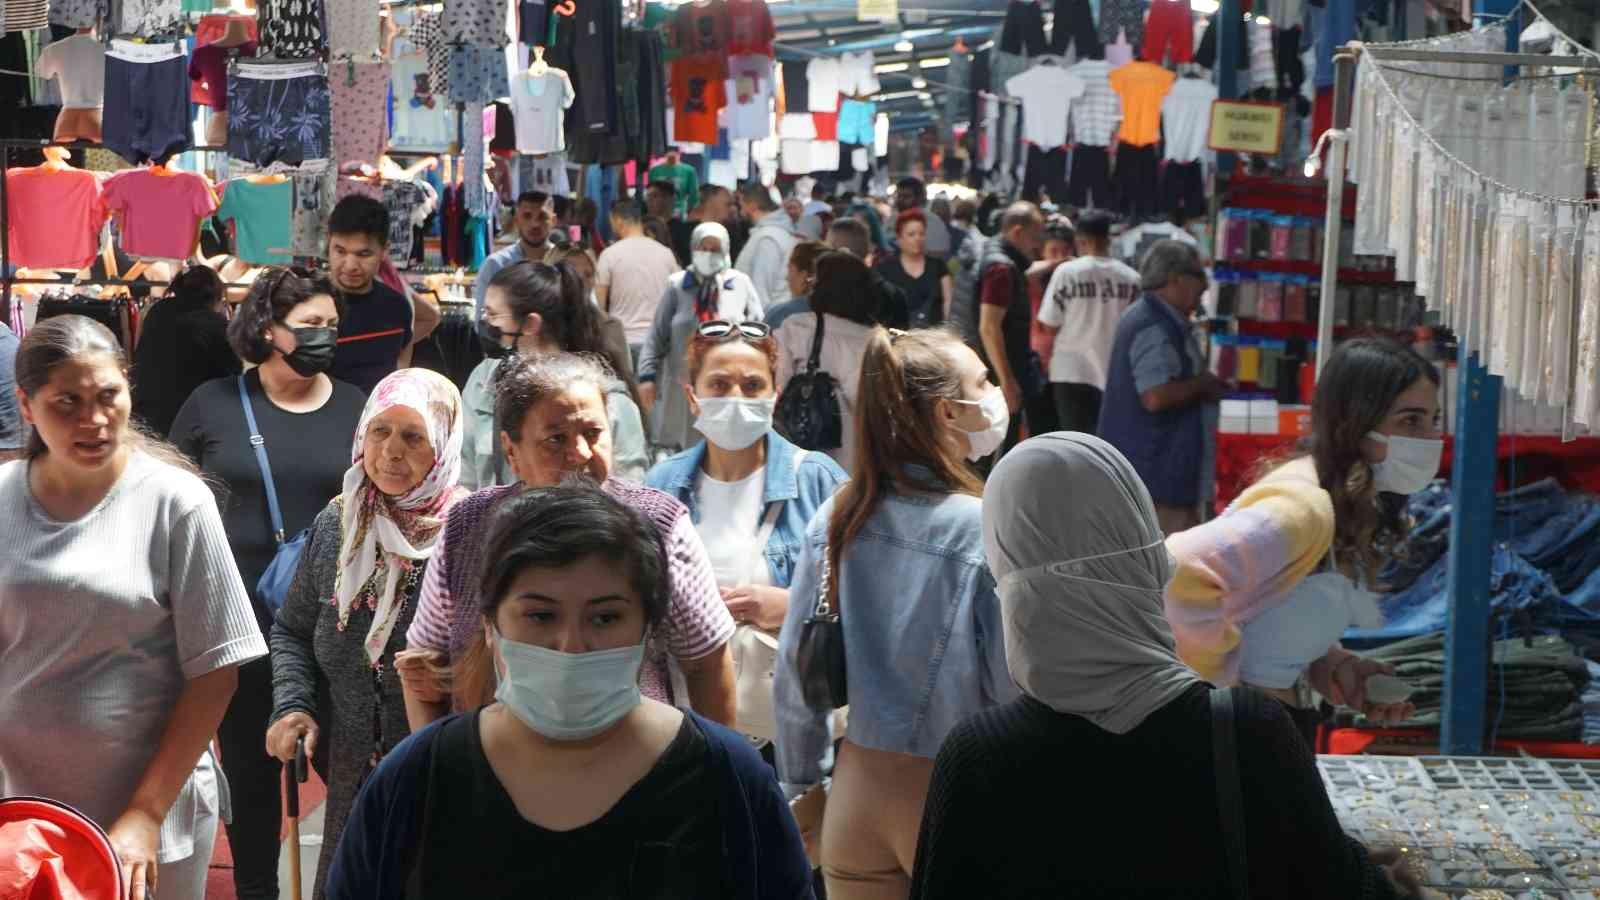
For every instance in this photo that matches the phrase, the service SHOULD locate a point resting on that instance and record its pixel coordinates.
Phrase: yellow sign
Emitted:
(1246, 127)
(878, 10)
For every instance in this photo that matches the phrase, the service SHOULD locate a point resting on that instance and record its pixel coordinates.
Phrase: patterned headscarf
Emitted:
(383, 537)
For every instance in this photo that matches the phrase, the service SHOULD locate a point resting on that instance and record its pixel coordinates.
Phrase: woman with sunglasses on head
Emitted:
(708, 290)
(898, 553)
(751, 494)
(1263, 593)
(287, 327)
(535, 308)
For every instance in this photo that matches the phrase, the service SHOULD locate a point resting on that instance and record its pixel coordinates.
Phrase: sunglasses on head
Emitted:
(722, 329)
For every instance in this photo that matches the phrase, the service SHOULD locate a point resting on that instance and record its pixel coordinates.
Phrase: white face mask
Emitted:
(734, 423)
(707, 263)
(987, 440)
(568, 696)
(1410, 466)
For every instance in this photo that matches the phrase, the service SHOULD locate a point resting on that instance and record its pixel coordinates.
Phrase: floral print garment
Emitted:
(278, 113)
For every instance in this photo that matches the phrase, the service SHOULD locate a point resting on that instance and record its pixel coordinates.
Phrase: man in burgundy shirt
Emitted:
(1040, 411)
(1004, 313)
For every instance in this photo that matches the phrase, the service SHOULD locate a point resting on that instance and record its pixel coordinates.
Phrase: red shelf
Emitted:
(1306, 267)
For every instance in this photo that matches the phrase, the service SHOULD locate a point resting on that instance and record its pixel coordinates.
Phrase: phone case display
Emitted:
(159, 213)
(70, 200)
(1522, 827)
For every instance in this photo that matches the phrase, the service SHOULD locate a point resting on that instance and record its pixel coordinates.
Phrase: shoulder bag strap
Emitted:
(774, 510)
(1230, 799)
(259, 445)
(815, 362)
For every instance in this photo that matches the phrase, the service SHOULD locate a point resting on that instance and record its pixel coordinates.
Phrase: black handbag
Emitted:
(808, 409)
(820, 659)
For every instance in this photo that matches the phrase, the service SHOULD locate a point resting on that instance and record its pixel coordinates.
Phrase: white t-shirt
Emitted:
(822, 85)
(634, 271)
(795, 156)
(748, 115)
(730, 517)
(1186, 118)
(538, 105)
(1047, 92)
(422, 119)
(857, 77)
(1086, 299)
(79, 62)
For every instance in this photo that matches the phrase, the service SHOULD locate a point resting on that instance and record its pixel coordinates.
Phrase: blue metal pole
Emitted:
(1230, 35)
(1467, 639)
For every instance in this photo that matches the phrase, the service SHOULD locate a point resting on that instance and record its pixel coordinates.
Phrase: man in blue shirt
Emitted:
(534, 216)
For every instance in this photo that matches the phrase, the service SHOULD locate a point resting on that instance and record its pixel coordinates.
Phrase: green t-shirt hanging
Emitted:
(683, 178)
(262, 214)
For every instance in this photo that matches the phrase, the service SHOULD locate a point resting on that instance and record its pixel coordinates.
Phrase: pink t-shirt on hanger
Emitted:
(159, 214)
(69, 200)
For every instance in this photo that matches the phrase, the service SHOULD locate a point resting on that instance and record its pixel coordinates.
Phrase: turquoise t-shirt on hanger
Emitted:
(262, 214)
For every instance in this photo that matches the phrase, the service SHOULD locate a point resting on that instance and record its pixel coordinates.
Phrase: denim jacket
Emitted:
(801, 490)
(923, 643)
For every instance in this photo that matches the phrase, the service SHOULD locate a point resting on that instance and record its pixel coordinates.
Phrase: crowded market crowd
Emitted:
(820, 545)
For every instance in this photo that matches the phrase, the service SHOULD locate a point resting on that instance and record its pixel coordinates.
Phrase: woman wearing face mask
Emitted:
(367, 551)
(613, 334)
(553, 427)
(751, 494)
(710, 289)
(539, 309)
(570, 783)
(286, 326)
(903, 543)
(1263, 593)
(1081, 572)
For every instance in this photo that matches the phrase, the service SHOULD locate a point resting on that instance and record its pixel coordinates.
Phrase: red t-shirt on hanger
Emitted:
(750, 28)
(697, 96)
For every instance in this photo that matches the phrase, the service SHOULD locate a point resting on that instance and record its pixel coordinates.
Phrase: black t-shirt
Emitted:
(662, 840)
(924, 294)
(180, 348)
(309, 454)
(374, 329)
(682, 233)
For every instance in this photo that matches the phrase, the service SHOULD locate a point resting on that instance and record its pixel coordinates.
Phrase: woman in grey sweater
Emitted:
(346, 615)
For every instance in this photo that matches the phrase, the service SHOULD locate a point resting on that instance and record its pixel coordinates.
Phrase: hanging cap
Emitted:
(50, 851)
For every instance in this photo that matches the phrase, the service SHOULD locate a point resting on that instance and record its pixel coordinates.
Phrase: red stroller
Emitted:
(50, 851)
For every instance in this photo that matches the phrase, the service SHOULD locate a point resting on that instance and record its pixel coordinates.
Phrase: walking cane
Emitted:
(294, 775)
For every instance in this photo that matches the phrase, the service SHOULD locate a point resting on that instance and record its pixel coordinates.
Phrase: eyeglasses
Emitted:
(722, 329)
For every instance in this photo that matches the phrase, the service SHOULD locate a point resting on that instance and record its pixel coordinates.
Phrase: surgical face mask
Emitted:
(1410, 466)
(493, 340)
(568, 696)
(313, 352)
(987, 440)
(707, 263)
(734, 423)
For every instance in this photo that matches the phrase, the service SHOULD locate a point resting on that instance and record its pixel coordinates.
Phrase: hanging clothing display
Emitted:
(313, 200)
(1122, 17)
(697, 99)
(409, 204)
(750, 28)
(478, 23)
(76, 13)
(822, 85)
(1169, 33)
(1074, 27)
(856, 122)
(539, 104)
(423, 120)
(796, 86)
(146, 100)
(1046, 91)
(427, 36)
(1023, 31)
(278, 112)
(208, 72)
(702, 29)
(69, 199)
(290, 29)
(78, 65)
(545, 173)
(137, 17)
(158, 214)
(353, 28)
(1142, 87)
(1186, 119)
(358, 111)
(749, 96)
(1090, 184)
(1098, 111)
(262, 215)
(477, 74)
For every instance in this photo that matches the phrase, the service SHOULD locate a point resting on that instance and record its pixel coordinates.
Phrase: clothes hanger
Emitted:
(539, 66)
(55, 159)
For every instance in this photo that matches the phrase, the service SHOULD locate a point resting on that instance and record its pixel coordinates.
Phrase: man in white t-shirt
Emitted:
(1082, 305)
(633, 272)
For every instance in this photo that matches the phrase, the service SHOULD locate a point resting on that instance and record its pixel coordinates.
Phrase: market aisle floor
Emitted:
(219, 885)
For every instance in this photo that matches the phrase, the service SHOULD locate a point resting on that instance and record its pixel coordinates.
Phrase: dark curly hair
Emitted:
(275, 294)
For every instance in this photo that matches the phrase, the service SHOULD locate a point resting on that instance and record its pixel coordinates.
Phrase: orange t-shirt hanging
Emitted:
(1142, 86)
(697, 96)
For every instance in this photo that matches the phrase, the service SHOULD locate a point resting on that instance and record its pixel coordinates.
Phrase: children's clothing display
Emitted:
(1142, 87)
(159, 213)
(262, 214)
(146, 100)
(353, 28)
(79, 64)
(358, 109)
(70, 200)
(278, 112)
(423, 120)
(291, 29)
(1046, 92)
(539, 104)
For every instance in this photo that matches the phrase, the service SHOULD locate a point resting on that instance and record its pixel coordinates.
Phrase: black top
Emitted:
(924, 294)
(1029, 802)
(661, 840)
(374, 329)
(682, 233)
(309, 454)
(180, 348)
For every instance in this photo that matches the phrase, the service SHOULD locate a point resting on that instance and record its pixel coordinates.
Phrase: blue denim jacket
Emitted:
(801, 490)
(923, 643)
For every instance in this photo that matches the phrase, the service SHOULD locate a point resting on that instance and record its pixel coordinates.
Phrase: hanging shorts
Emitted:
(1137, 180)
(1170, 30)
(146, 101)
(856, 121)
(478, 74)
(278, 112)
(1183, 188)
(359, 104)
(1074, 25)
(1122, 15)
(1090, 184)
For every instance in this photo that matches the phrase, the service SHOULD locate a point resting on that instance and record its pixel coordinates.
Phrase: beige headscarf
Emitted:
(1071, 536)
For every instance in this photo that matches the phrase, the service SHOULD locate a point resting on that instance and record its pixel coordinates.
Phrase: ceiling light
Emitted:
(919, 82)
(904, 46)
(890, 68)
(1204, 7)
(936, 63)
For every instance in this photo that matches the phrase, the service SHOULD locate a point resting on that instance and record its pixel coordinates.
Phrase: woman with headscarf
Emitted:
(708, 291)
(1113, 730)
(355, 593)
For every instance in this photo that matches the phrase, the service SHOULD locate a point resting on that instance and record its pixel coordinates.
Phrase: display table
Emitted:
(1493, 827)
(1523, 459)
(1425, 742)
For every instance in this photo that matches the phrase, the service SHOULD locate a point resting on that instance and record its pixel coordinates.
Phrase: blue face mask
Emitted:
(569, 696)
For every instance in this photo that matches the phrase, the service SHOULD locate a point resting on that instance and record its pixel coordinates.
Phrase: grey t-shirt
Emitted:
(102, 622)
(11, 426)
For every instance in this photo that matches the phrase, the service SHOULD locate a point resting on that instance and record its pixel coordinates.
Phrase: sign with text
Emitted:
(878, 10)
(1246, 127)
